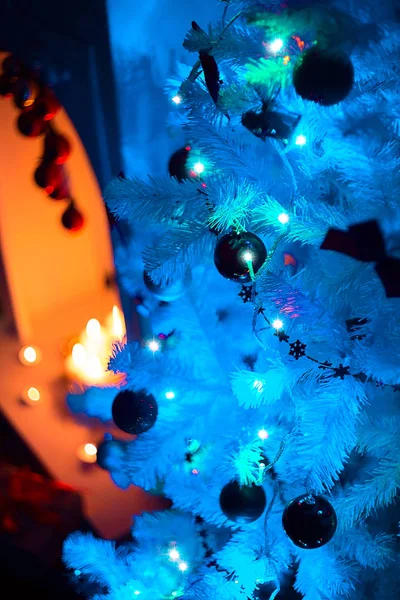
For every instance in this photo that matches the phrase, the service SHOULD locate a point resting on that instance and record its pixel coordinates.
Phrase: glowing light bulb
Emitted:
(183, 566)
(199, 168)
(118, 325)
(93, 329)
(79, 355)
(236, 580)
(94, 368)
(136, 592)
(301, 140)
(283, 218)
(29, 355)
(170, 395)
(276, 45)
(176, 99)
(263, 434)
(174, 554)
(248, 256)
(195, 471)
(277, 324)
(87, 453)
(77, 572)
(154, 346)
(174, 594)
(33, 394)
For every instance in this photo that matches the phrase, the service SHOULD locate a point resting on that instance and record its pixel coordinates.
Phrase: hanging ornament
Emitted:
(239, 256)
(323, 76)
(268, 123)
(72, 219)
(177, 166)
(134, 412)
(242, 504)
(30, 124)
(47, 105)
(62, 191)
(11, 66)
(309, 521)
(56, 148)
(6, 86)
(25, 92)
(110, 454)
(48, 176)
(170, 291)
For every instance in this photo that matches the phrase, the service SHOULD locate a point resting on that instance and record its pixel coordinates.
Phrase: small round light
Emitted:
(301, 140)
(176, 99)
(276, 45)
(174, 594)
(199, 168)
(277, 324)
(263, 434)
(236, 580)
(170, 395)
(195, 471)
(87, 453)
(29, 355)
(183, 566)
(93, 328)
(248, 256)
(136, 592)
(283, 218)
(174, 554)
(154, 346)
(33, 394)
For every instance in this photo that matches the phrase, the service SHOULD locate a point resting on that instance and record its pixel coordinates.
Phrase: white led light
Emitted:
(170, 395)
(283, 218)
(177, 99)
(277, 324)
(301, 140)
(276, 45)
(248, 256)
(263, 434)
(136, 592)
(198, 168)
(183, 566)
(174, 554)
(154, 346)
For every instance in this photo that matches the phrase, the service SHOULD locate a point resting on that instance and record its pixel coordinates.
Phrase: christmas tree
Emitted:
(264, 392)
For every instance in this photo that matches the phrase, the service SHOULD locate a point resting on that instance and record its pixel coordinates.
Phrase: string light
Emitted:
(154, 346)
(248, 257)
(87, 453)
(183, 566)
(174, 554)
(283, 218)
(199, 168)
(277, 324)
(93, 329)
(28, 355)
(136, 592)
(170, 395)
(263, 434)
(301, 140)
(176, 99)
(276, 45)
(174, 594)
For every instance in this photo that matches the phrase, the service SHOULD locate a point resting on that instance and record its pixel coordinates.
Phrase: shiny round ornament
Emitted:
(323, 76)
(48, 176)
(169, 291)
(242, 504)
(30, 123)
(56, 148)
(177, 166)
(11, 66)
(309, 521)
(134, 412)
(236, 253)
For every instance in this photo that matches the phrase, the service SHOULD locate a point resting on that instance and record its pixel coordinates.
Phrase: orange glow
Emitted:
(33, 394)
(87, 453)
(286, 59)
(88, 360)
(299, 42)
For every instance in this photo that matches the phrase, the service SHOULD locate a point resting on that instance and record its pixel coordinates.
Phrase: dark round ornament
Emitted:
(309, 521)
(47, 104)
(12, 66)
(72, 219)
(230, 255)
(30, 124)
(110, 454)
(168, 292)
(48, 176)
(177, 166)
(6, 86)
(134, 412)
(62, 191)
(323, 76)
(242, 504)
(56, 148)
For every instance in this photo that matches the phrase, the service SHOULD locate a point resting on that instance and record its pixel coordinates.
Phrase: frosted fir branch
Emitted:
(97, 559)
(365, 498)
(321, 573)
(375, 552)
(161, 200)
(378, 437)
(234, 204)
(199, 41)
(253, 390)
(270, 73)
(178, 249)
